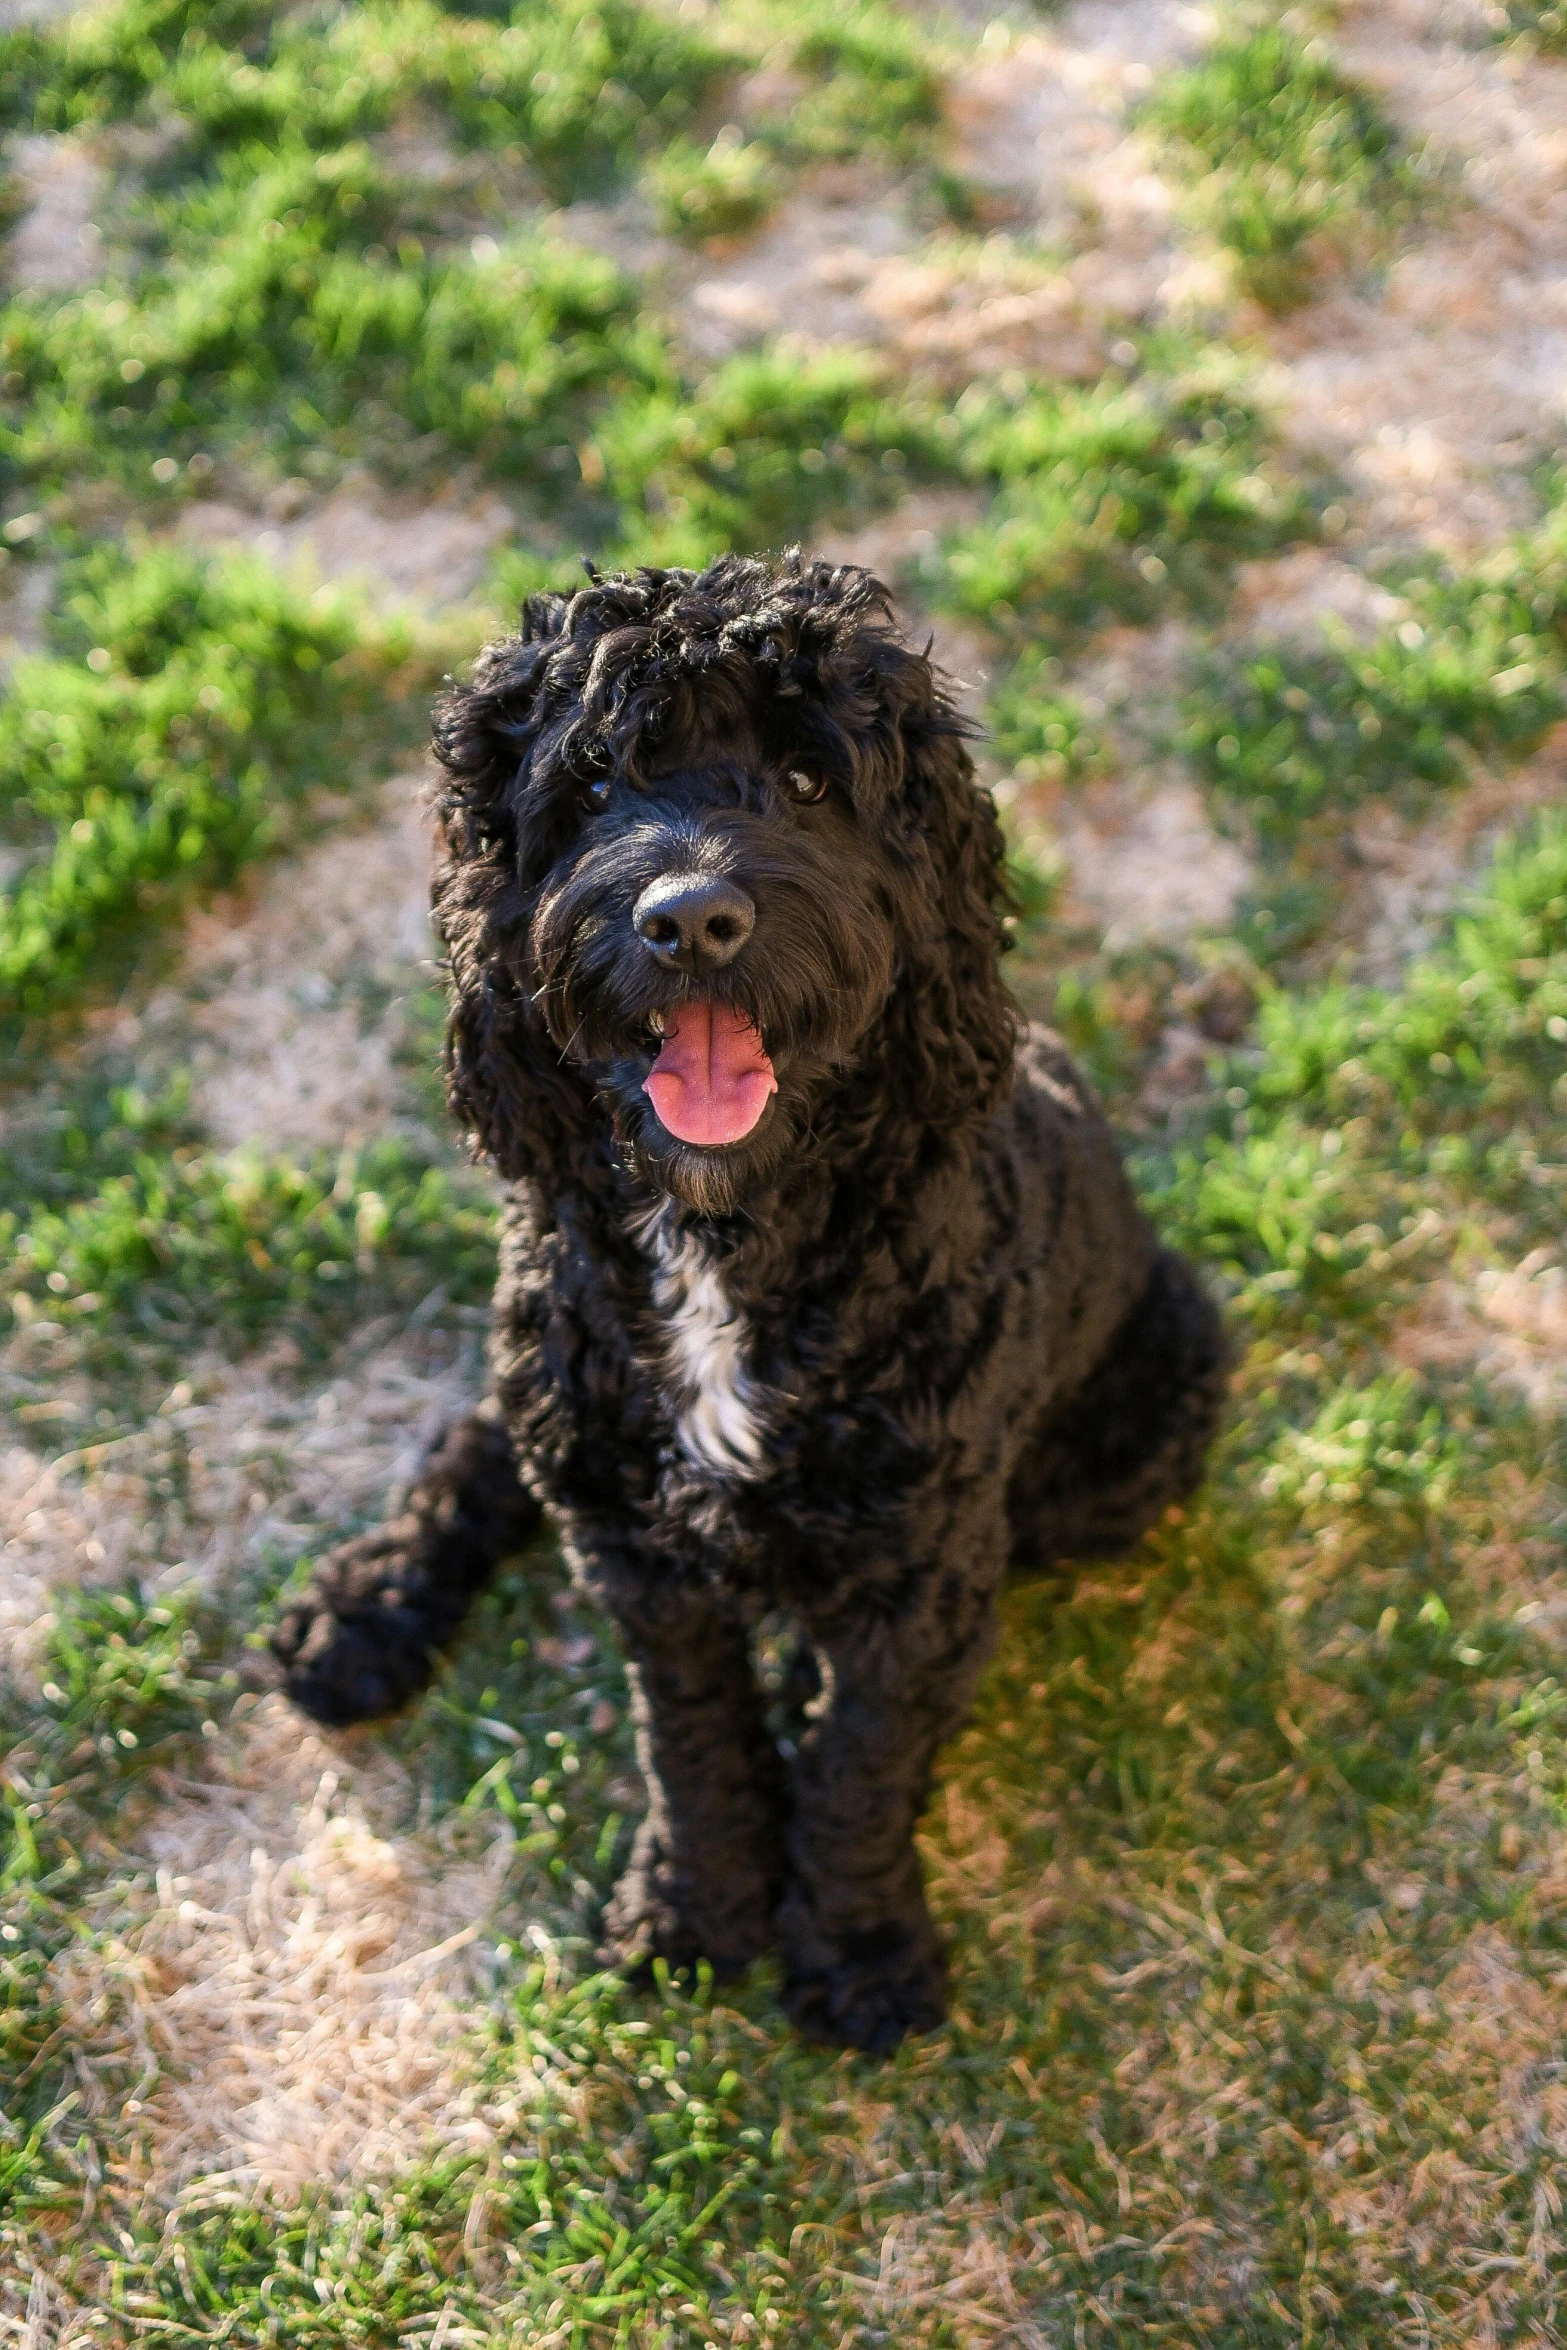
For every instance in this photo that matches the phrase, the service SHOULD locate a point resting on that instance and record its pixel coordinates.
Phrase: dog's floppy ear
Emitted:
(504, 1077)
(953, 1025)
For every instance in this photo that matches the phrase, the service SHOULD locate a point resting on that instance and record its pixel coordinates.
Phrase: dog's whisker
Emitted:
(569, 1046)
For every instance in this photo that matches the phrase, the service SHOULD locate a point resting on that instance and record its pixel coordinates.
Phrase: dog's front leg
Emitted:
(863, 1962)
(704, 1874)
(366, 1634)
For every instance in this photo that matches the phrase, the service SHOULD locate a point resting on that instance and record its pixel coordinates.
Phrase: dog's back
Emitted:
(1135, 1350)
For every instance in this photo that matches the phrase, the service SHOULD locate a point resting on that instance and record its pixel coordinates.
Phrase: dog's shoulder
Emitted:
(1054, 1113)
(1055, 1155)
(1050, 1083)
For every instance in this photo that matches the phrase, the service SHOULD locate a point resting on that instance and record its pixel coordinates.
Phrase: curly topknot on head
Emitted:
(637, 661)
(773, 610)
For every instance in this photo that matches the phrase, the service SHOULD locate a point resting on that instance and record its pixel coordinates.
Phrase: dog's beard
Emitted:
(810, 980)
(711, 1180)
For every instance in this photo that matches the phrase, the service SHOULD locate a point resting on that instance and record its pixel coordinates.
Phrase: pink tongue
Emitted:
(712, 1079)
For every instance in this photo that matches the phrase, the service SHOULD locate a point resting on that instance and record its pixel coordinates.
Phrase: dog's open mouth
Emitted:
(711, 1082)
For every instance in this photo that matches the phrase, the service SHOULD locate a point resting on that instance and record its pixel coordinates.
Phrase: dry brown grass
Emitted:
(283, 1992)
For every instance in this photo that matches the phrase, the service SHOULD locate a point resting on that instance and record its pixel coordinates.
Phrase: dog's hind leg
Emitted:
(1132, 1440)
(705, 1871)
(365, 1635)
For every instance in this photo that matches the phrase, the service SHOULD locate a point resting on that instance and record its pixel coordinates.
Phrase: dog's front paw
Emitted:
(651, 1914)
(881, 1986)
(357, 1643)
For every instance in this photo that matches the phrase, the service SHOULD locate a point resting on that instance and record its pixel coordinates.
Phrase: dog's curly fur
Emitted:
(910, 1333)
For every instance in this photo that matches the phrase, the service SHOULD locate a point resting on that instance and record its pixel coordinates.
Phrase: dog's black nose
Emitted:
(693, 921)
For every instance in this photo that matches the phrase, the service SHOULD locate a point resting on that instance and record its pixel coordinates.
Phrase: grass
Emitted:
(718, 191)
(1209, 1971)
(1292, 164)
(1476, 667)
(292, 309)
(1366, 1130)
(872, 81)
(124, 1683)
(1540, 22)
(178, 1241)
(1103, 496)
(290, 295)
(128, 1239)
(1251, 1859)
(282, 294)
(189, 704)
(754, 454)
(1293, 739)
(1098, 497)
(575, 88)
(758, 450)
(1036, 727)
(579, 91)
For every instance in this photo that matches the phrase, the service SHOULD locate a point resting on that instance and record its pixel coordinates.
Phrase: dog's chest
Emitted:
(721, 1409)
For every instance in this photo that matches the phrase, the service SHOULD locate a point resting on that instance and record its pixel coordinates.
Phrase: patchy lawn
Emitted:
(1191, 380)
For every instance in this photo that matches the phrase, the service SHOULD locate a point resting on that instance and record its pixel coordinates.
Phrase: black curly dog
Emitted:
(821, 1293)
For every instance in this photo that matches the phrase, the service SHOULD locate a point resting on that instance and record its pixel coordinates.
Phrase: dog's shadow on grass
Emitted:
(1126, 1707)
(528, 1721)
(1126, 1704)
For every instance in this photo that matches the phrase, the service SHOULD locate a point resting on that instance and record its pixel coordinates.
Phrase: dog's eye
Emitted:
(595, 795)
(805, 785)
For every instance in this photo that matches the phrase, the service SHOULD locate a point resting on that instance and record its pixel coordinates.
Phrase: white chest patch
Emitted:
(720, 1419)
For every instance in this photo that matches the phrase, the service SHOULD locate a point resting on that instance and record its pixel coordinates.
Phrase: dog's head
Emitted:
(719, 881)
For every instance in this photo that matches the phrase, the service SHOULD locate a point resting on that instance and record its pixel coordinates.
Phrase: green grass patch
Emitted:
(166, 1243)
(288, 308)
(131, 1237)
(296, 298)
(575, 89)
(298, 302)
(715, 191)
(1368, 1131)
(188, 709)
(1038, 728)
(1291, 739)
(871, 80)
(762, 448)
(686, 2230)
(1107, 501)
(752, 456)
(1292, 162)
(1292, 733)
